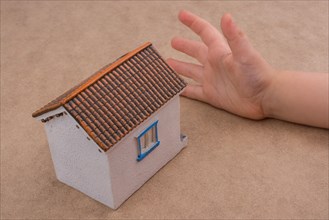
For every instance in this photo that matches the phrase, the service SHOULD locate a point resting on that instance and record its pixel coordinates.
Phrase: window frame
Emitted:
(141, 155)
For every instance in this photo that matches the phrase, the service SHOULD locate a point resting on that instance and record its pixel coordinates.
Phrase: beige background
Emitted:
(232, 167)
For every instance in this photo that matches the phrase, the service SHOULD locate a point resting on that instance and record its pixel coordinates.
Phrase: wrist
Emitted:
(268, 99)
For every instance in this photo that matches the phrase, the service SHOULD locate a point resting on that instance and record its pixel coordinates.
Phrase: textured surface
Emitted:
(231, 168)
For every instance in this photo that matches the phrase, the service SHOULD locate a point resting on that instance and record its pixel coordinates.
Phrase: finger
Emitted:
(194, 92)
(195, 49)
(189, 70)
(241, 48)
(208, 33)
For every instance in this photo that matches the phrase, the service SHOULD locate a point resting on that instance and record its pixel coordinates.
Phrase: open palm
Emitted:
(231, 75)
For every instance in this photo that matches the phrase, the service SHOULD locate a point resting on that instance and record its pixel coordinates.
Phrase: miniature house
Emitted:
(112, 132)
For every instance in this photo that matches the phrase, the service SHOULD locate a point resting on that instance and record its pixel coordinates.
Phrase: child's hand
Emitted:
(232, 76)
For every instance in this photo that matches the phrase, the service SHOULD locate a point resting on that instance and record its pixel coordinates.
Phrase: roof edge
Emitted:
(43, 110)
(90, 81)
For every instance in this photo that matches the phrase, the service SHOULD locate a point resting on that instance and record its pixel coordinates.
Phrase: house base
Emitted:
(184, 140)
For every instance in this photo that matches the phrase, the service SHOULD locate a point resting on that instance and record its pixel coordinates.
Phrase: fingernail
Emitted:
(231, 19)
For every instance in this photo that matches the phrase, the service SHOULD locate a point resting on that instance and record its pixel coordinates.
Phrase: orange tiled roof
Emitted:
(116, 99)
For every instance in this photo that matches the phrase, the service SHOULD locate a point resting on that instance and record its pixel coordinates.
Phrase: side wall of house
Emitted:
(77, 161)
(127, 173)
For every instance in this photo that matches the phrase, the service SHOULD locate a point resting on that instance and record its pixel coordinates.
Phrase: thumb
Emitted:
(240, 46)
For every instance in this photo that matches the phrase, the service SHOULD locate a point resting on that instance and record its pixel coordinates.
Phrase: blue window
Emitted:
(148, 141)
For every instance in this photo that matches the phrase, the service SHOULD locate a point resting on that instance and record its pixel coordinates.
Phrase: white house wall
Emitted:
(77, 160)
(127, 174)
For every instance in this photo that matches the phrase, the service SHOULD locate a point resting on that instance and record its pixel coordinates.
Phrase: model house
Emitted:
(112, 132)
